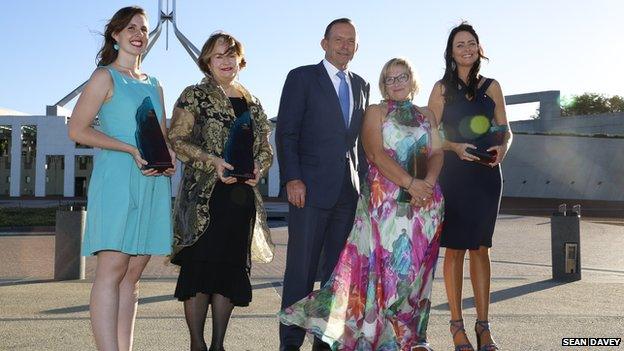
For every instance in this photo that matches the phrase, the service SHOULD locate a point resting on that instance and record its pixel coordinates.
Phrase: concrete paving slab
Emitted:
(529, 311)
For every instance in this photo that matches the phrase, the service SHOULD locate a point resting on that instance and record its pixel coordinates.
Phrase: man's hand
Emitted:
(296, 191)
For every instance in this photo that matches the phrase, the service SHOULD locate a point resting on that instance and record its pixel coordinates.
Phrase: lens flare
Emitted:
(479, 124)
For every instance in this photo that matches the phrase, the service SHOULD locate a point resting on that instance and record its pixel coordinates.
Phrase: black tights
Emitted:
(195, 311)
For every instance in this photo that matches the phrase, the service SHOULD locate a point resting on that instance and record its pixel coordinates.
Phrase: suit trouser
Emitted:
(313, 230)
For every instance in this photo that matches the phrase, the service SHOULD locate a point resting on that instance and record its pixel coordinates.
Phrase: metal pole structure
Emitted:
(163, 17)
(186, 44)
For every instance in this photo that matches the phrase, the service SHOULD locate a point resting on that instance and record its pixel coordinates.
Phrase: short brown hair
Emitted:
(336, 21)
(234, 46)
(399, 61)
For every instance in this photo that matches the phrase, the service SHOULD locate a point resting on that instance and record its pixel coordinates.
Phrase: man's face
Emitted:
(341, 45)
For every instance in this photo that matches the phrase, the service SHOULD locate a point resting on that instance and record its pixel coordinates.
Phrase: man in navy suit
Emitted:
(318, 125)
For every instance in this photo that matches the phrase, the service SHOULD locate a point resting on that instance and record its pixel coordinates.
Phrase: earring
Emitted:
(453, 65)
(116, 47)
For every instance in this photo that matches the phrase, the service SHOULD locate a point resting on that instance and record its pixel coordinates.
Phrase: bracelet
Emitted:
(410, 184)
(428, 184)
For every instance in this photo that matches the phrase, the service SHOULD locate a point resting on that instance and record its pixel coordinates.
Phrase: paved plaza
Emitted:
(529, 311)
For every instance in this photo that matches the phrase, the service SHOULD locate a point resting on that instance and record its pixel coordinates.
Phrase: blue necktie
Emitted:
(343, 96)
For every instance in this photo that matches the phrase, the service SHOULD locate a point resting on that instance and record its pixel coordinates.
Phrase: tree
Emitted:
(591, 104)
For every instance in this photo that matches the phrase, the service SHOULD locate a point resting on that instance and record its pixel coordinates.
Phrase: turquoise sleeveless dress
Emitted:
(127, 211)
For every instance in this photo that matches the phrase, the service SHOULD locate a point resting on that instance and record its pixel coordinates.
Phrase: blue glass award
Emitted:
(149, 138)
(239, 149)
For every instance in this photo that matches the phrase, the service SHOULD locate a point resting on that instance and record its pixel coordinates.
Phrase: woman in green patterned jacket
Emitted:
(219, 221)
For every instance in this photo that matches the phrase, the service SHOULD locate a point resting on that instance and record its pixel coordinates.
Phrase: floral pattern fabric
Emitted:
(198, 133)
(378, 297)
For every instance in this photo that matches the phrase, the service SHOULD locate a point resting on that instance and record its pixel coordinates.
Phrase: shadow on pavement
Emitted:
(147, 300)
(508, 293)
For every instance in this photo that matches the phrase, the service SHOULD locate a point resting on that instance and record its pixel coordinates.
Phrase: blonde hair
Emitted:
(399, 61)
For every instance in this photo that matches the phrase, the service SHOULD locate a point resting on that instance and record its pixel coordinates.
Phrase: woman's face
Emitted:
(465, 49)
(134, 38)
(398, 83)
(223, 65)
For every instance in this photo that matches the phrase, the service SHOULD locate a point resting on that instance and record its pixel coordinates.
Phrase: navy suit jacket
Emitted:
(311, 137)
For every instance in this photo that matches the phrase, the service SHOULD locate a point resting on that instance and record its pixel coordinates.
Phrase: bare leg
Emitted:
(221, 312)
(195, 310)
(128, 301)
(104, 303)
(480, 277)
(453, 282)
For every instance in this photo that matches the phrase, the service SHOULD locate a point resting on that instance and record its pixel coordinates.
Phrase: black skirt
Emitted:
(219, 261)
(472, 194)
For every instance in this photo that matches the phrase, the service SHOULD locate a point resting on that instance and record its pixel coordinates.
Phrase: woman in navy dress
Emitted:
(471, 111)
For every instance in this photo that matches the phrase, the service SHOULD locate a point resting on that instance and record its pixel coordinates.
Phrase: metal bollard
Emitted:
(70, 224)
(566, 243)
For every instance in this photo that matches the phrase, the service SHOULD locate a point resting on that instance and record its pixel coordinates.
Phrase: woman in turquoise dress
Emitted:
(129, 207)
(378, 297)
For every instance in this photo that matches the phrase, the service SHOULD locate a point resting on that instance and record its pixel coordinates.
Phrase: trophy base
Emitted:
(159, 166)
(485, 157)
(241, 177)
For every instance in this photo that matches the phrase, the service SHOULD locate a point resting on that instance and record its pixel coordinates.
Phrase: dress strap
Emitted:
(484, 87)
(153, 80)
(113, 73)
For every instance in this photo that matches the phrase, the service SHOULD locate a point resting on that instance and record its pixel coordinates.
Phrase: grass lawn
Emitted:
(26, 217)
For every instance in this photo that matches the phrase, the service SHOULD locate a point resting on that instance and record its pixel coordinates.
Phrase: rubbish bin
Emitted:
(566, 243)
(70, 224)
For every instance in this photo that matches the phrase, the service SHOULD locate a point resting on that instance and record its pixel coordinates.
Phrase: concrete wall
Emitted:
(565, 167)
(608, 124)
(550, 120)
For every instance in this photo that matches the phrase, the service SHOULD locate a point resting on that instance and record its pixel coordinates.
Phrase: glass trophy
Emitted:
(417, 167)
(149, 138)
(239, 149)
(485, 157)
(494, 137)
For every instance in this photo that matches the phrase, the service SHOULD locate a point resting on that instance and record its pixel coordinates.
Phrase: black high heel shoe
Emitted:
(457, 326)
(485, 326)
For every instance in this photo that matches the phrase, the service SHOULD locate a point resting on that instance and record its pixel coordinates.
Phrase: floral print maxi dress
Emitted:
(378, 297)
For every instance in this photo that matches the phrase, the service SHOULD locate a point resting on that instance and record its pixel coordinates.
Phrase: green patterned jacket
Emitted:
(198, 132)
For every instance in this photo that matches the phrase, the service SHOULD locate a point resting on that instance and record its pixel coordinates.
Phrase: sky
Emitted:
(48, 48)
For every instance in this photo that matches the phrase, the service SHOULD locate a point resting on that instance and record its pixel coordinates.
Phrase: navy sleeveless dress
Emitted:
(472, 191)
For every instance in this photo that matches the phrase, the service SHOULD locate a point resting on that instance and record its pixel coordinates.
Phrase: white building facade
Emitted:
(54, 165)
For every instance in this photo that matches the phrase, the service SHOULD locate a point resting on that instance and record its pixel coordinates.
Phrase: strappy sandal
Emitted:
(457, 326)
(485, 326)
(422, 344)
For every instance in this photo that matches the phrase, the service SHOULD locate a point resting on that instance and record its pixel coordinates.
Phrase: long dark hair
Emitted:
(451, 80)
(117, 23)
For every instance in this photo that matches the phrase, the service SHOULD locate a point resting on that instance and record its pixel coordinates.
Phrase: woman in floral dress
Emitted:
(378, 297)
